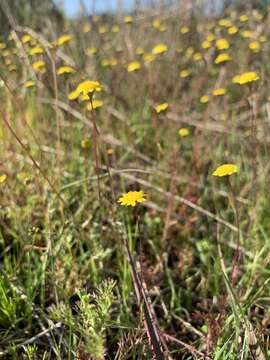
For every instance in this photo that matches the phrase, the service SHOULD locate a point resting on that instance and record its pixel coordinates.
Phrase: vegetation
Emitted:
(134, 184)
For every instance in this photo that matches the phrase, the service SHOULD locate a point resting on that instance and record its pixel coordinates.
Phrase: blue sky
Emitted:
(73, 6)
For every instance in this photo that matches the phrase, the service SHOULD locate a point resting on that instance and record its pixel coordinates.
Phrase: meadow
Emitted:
(134, 185)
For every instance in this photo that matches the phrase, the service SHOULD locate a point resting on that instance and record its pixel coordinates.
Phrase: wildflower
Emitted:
(95, 104)
(86, 28)
(254, 46)
(39, 66)
(232, 30)
(133, 66)
(86, 143)
(84, 89)
(184, 73)
(243, 18)
(225, 23)
(132, 197)
(206, 44)
(245, 78)
(183, 132)
(36, 50)
(210, 37)
(128, 19)
(162, 28)
(221, 58)
(2, 46)
(115, 29)
(110, 151)
(64, 39)
(204, 99)
(162, 107)
(148, 58)
(3, 178)
(262, 39)
(225, 170)
(91, 51)
(197, 56)
(102, 29)
(159, 49)
(139, 51)
(156, 23)
(26, 38)
(222, 44)
(219, 92)
(246, 34)
(29, 84)
(184, 30)
(65, 70)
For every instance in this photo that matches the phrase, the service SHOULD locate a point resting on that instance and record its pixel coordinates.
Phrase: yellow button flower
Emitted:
(183, 132)
(133, 66)
(159, 49)
(206, 44)
(128, 19)
(39, 66)
(204, 99)
(162, 107)
(3, 178)
(64, 39)
(232, 30)
(184, 30)
(29, 84)
(65, 70)
(96, 104)
(184, 73)
(221, 58)
(255, 46)
(245, 78)
(222, 44)
(219, 92)
(26, 38)
(225, 170)
(132, 198)
(36, 50)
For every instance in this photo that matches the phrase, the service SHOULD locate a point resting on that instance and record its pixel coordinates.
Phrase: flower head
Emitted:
(225, 170)
(245, 78)
(159, 49)
(64, 39)
(65, 70)
(222, 44)
(183, 132)
(184, 73)
(133, 66)
(219, 92)
(204, 99)
(84, 89)
(132, 197)
(162, 107)
(29, 84)
(3, 178)
(221, 58)
(39, 66)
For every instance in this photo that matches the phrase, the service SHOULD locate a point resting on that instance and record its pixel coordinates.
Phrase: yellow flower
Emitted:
(204, 99)
(225, 170)
(197, 56)
(39, 66)
(222, 44)
(210, 37)
(245, 78)
(132, 197)
(159, 49)
(96, 104)
(206, 44)
(183, 132)
(64, 39)
(246, 34)
(254, 46)
(102, 29)
(36, 50)
(139, 50)
(162, 28)
(222, 58)
(133, 66)
(225, 22)
(65, 70)
(26, 38)
(162, 107)
(184, 30)
(115, 29)
(84, 89)
(29, 84)
(243, 18)
(232, 30)
(91, 51)
(110, 151)
(219, 92)
(3, 178)
(86, 28)
(128, 19)
(148, 58)
(156, 23)
(86, 143)
(2, 46)
(262, 39)
(184, 73)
